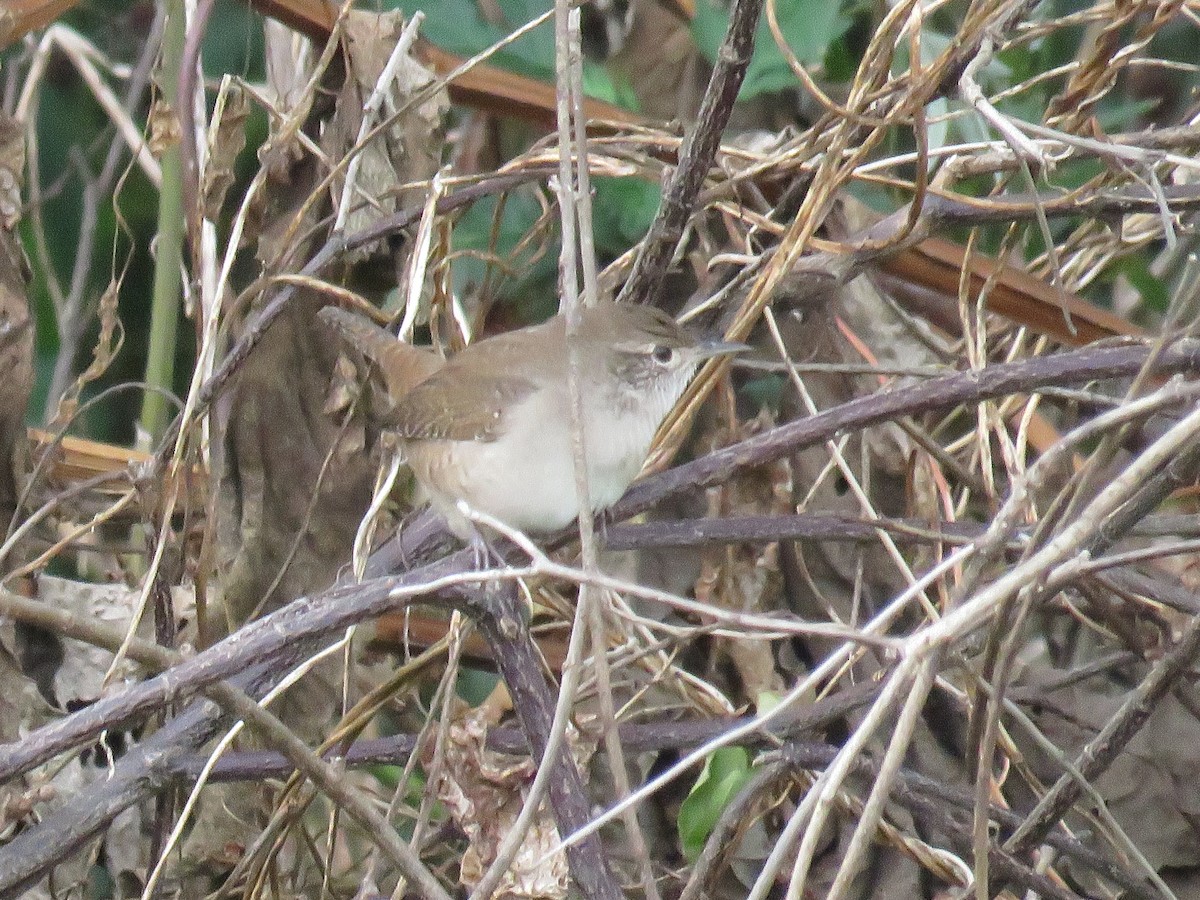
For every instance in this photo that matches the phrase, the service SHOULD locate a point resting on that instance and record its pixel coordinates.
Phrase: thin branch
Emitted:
(1026, 376)
(696, 156)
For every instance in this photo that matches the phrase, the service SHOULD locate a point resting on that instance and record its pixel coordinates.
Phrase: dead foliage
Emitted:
(902, 605)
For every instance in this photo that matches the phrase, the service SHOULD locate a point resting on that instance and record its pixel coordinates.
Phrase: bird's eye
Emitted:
(662, 353)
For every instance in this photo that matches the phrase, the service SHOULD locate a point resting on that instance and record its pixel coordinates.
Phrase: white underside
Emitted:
(526, 479)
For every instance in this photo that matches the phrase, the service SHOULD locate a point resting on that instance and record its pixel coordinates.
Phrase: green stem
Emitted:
(164, 315)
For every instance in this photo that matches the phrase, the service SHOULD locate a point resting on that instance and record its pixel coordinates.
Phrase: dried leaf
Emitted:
(226, 139)
(12, 169)
(164, 128)
(108, 345)
(1150, 788)
(484, 792)
(80, 676)
(16, 325)
(405, 152)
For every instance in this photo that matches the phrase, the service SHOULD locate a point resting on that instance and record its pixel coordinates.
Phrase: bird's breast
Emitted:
(525, 476)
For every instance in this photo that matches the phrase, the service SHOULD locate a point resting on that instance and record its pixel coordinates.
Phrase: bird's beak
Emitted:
(710, 347)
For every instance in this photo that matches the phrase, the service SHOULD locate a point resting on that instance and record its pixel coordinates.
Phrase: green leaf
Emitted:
(623, 211)
(765, 392)
(810, 28)
(725, 772)
(766, 701)
(457, 26)
(608, 86)
(473, 232)
(453, 25)
(475, 685)
(1150, 288)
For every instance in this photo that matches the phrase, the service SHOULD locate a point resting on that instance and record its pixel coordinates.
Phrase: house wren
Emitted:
(492, 425)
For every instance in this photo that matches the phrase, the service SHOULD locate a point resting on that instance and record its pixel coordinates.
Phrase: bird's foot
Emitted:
(483, 552)
(604, 519)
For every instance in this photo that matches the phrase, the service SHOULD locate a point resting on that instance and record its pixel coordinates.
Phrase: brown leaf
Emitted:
(108, 345)
(164, 128)
(16, 325)
(484, 792)
(225, 141)
(409, 149)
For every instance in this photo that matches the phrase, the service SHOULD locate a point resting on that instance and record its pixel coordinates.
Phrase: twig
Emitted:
(636, 737)
(71, 318)
(801, 527)
(1026, 376)
(371, 111)
(183, 75)
(314, 617)
(696, 156)
(544, 722)
(233, 701)
(141, 772)
(1125, 499)
(508, 634)
(1120, 729)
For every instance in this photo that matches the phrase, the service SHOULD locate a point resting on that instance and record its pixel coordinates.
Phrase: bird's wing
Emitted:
(453, 406)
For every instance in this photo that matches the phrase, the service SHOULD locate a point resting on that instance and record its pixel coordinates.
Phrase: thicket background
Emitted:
(948, 554)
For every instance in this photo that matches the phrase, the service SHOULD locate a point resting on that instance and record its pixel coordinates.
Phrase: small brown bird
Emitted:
(492, 425)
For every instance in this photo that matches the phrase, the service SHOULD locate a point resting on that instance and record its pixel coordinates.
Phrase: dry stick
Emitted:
(1138, 708)
(514, 650)
(140, 773)
(947, 209)
(508, 635)
(170, 755)
(797, 527)
(285, 631)
(985, 716)
(543, 720)
(501, 629)
(231, 700)
(307, 620)
(1004, 864)
(1103, 750)
(72, 320)
(924, 795)
(852, 529)
(937, 393)
(932, 801)
(1173, 458)
(188, 67)
(294, 799)
(696, 156)
(286, 637)
(944, 210)
(319, 618)
(636, 737)
(330, 252)
(1122, 846)
(872, 810)
(145, 771)
(591, 613)
(340, 791)
(1100, 752)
